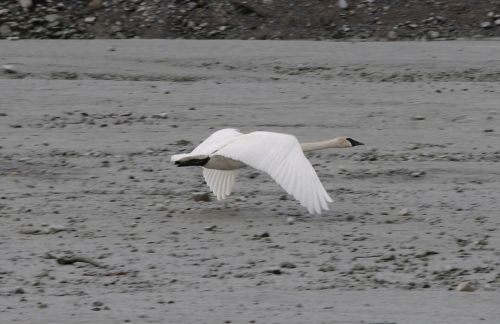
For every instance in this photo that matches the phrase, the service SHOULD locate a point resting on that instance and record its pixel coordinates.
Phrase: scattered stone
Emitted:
(417, 174)
(162, 115)
(342, 4)
(485, 25)
(290, 220)
(482, 242)
(70, 259)
(287, 265)
(52, 17)
(210, 228)
(161, 207)
(192, 19)
(418, 118)
(274, 270)
(9, 68)
(404, 212)
(95, 4)
(358, 267)
(465, 286)
(489, 130)
(26, 4)
(5, 30)
(433, 34)
(387, 258)
(392, 35)
(327, 268)
(426, 253)
(51, 229)
(201, 196)
(183, 142)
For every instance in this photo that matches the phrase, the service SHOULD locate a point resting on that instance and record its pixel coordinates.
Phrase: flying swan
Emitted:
(279, 155)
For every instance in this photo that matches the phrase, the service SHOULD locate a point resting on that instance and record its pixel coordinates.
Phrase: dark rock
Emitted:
(287, 265)
(274, 270)
(201, 196)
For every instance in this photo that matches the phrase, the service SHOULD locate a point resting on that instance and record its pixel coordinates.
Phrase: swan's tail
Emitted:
(178, 157)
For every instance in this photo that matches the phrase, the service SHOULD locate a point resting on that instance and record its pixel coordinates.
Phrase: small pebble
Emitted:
(201, 196)
(162, 115)
(417, 174)
(404, 212)
(342, 4)
(465, 286)
(485, 24)
(274, 270)
(9, 68)
(287, 265)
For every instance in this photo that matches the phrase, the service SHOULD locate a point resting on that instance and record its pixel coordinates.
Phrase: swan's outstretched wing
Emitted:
(216, 141)
(220, 181)
(281, 156)
(210, 144)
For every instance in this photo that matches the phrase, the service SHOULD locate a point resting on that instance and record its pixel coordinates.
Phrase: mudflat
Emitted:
(97, 226)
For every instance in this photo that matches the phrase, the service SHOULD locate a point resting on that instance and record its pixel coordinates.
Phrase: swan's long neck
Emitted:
(314, 146)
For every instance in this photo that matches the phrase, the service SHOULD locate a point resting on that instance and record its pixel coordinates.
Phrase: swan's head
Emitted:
(344, 141)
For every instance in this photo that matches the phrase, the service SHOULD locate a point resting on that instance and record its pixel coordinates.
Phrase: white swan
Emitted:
(279, 155)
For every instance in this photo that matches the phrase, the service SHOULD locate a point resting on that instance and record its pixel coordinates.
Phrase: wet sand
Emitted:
(87, 128)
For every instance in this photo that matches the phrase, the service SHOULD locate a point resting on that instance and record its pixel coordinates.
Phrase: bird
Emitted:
(277, 154)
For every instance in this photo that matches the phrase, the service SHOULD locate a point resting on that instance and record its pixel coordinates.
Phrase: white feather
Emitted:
(211, 144)
(281, 156)
(216, 141)
(220, 181)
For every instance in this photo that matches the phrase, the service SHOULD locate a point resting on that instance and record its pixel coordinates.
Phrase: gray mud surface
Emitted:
(98, 227)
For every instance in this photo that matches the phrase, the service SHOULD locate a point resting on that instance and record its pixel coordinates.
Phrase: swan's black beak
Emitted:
(354, 142)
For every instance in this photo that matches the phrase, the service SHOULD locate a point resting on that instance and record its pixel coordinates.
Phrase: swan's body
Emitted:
(279, 155)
